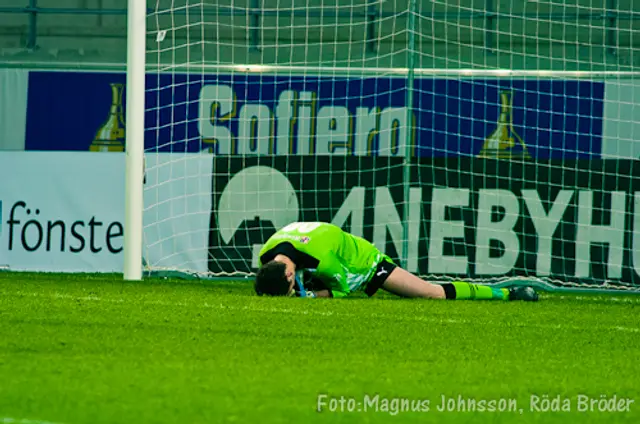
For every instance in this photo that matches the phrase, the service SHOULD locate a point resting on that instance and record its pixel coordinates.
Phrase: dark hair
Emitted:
(271, 279)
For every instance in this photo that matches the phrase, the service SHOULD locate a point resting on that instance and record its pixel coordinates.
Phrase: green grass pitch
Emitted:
(92, 349)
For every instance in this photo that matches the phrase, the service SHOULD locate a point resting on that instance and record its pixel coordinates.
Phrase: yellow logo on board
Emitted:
(111, 135)
(504, 142)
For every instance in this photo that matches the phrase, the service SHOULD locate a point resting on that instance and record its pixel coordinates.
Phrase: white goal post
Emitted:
(134, 166)
(498, 152)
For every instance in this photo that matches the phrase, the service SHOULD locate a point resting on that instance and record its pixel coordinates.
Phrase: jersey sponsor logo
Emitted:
(285, 237)
(305, 239)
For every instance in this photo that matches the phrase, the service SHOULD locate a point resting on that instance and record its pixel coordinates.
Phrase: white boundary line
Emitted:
(611, 299)
(9, 420)
(415, 318)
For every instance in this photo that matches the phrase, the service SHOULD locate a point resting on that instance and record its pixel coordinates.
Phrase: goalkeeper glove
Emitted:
(306, 293)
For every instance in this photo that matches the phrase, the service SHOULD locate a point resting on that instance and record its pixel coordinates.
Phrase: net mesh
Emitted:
(487, 140)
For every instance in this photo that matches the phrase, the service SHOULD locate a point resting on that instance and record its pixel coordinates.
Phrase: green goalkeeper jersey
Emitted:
(341, 261)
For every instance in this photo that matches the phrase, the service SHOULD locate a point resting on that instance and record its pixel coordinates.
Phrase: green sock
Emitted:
(467, 291)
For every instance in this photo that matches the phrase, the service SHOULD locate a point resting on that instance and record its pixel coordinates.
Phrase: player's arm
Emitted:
(339, 286)
(322, 293)
(331, 283)
(325, 293)
(320, 289)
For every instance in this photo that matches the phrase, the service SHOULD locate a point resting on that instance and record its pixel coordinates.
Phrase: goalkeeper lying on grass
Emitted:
(340, 263)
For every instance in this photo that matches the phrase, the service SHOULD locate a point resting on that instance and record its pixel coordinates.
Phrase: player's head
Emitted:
(273, 279)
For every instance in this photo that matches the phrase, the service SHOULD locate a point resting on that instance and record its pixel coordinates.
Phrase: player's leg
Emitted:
(396, 280)
(403, 283)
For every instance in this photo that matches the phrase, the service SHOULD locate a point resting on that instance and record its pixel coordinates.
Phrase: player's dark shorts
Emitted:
(383, 271)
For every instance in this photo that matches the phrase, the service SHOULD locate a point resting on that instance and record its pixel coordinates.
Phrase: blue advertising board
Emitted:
(307, 115)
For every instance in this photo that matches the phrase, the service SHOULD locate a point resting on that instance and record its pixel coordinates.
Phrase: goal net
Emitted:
(486, 140)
